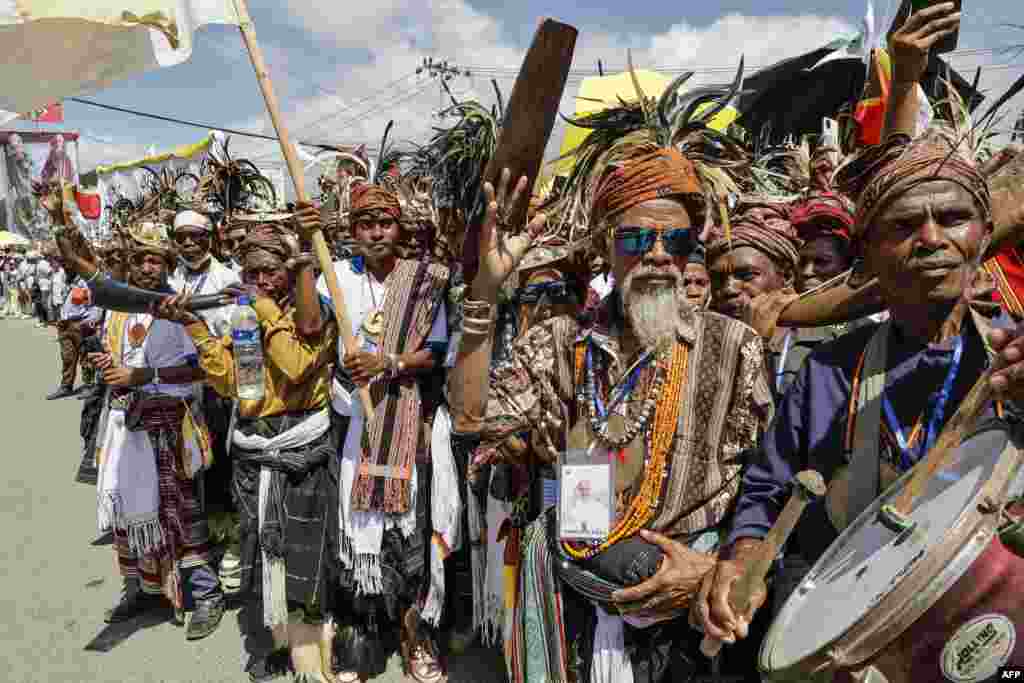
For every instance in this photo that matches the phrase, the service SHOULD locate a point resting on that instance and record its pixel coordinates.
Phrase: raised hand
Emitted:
(499, 252)
(909, 46)
(764, 310)
(307, 220)
(74, 249)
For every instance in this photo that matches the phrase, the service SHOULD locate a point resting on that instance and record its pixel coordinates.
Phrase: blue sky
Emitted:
(343, 69)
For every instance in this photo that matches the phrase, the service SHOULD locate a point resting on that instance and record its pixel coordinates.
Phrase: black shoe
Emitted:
(267, 667)
(62, 392)
(131, 606)
(206, 618)
(86, 391)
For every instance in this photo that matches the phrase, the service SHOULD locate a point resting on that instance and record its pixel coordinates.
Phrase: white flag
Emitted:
(54, 49)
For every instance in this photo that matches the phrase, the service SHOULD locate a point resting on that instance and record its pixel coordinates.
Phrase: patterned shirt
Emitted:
(726, 404)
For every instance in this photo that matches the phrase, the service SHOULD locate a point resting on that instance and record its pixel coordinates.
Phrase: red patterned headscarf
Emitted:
(367, 198)
(766, 227)
(655, 175)
(886, 171)
(823, 213)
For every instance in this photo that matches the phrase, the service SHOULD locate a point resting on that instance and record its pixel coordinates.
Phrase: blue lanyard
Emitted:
(199, 282)
(938, 410)
(618, 393)
(780, 369)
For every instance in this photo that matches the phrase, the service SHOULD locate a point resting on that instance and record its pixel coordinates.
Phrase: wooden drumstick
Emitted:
(808, 486)
(897, 515)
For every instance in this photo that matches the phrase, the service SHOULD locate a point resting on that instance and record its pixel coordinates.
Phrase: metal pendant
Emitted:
(616, 429)
(137, 335)
(373, 325)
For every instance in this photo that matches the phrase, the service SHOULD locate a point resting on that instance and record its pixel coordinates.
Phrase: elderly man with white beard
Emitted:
(652, 401)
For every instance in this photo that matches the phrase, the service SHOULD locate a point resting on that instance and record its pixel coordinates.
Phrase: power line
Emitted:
(374, 109)
(492, 71)
(355, 103)
(193, 124)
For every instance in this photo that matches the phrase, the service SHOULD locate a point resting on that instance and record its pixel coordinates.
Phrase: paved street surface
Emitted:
(56, 584)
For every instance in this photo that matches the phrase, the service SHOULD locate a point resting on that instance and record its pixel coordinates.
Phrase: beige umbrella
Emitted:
(9, 239)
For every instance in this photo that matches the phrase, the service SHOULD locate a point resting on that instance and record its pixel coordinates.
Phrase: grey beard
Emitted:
(653, 314)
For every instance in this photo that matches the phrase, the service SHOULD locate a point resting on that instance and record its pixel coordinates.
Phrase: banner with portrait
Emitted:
(30, 158)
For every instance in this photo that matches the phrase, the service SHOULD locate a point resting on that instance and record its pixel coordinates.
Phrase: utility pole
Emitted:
(442, 71)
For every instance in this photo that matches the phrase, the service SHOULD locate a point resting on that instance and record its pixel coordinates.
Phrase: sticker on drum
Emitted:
(978, 649)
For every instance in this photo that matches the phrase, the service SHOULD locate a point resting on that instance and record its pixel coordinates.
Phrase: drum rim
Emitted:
(920, 588)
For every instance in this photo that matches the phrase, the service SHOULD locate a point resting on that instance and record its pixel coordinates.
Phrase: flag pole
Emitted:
(323, 254)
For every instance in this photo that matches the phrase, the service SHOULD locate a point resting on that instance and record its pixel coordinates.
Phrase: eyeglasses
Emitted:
(194, 237)
(636, 241)
(554, 292)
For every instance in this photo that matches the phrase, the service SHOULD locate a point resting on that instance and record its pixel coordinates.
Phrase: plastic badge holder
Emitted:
(586, 490)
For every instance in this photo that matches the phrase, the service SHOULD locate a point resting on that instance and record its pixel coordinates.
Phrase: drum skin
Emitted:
(949, 612)
(991, 587)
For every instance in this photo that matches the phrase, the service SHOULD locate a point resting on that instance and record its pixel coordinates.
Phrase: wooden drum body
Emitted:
(941, 601)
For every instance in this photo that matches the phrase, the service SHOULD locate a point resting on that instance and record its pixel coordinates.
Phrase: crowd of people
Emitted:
(570, 449)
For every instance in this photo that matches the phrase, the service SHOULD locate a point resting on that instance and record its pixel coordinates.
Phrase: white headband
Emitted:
(193, 219)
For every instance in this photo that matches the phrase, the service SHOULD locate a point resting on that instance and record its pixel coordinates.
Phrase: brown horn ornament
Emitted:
(853, 297)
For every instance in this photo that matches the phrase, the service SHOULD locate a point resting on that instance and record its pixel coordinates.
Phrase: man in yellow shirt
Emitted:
(284, 480)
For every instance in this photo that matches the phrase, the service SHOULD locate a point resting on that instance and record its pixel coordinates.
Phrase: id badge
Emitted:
(586, 485)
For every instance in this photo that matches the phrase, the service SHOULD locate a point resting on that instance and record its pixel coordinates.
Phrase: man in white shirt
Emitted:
(26, 283)
(44, 285)
(9, 273)
(71, 303)
(198, 273)
(398, 316)
(148, 486)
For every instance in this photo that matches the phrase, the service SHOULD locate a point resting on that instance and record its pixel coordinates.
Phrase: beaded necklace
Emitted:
(659, 437)
(600, 416)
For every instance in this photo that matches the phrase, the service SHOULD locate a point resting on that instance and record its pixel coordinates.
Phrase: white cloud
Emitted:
(389, 38)
(396, 34)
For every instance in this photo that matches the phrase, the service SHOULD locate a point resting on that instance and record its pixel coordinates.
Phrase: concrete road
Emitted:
(56, 584)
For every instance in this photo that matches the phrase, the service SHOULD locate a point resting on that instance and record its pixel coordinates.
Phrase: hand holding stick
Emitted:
(897, 515)
(807, 487)
(323, 253)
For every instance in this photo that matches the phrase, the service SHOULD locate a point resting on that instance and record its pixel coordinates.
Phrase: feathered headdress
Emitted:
(677, 120)
(228, 185)
(454, 159)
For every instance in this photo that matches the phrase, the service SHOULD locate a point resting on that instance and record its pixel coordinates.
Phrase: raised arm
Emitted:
(499, 255)
(909, 47)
